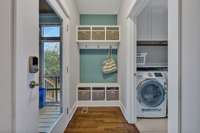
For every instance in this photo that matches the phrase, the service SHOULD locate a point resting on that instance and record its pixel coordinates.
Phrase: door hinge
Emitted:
(67, 27)
(67, 110)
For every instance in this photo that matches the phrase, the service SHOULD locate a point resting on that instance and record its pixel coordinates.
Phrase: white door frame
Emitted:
(174, 102)
(63, 14)
(132, 57)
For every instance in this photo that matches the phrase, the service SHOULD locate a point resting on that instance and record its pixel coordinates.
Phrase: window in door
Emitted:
(50, 64)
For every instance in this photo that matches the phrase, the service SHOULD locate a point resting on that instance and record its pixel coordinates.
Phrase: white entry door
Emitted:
(26, 14)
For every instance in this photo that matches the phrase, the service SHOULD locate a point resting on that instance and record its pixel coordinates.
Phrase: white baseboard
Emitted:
(72, 112)
(98, 104)
(63, 120)
(124, 111)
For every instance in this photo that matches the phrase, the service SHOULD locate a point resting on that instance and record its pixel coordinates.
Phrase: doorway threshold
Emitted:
(48, 118)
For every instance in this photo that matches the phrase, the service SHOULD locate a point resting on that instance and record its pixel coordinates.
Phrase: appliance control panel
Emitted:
(158, 74)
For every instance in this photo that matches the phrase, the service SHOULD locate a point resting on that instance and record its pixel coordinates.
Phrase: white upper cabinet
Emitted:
(144, 25)
(152, 23)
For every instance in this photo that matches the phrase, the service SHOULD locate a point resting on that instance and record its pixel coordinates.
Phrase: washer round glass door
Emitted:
(150, 93)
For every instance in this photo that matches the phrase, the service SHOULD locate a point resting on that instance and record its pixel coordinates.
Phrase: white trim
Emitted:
(98, 45)
(56, 7)
(72, 112)
(65, 10)
(57, 3)
(13, 59)
(130, 8)
(137, 7)
(98, 104)
(124, 111)
(174, 64)
(55, 123)
(132, 59)
(69, 117)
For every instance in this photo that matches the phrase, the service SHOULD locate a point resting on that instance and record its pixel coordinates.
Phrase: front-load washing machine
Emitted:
(151, 94)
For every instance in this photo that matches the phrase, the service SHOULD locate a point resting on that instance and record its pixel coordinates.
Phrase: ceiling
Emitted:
(98, 6)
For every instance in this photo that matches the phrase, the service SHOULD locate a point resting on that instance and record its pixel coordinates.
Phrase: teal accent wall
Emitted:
(86, 19)
(91, 59)
(91, 66)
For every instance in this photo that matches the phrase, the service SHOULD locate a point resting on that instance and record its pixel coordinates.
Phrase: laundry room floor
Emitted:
(152, 125)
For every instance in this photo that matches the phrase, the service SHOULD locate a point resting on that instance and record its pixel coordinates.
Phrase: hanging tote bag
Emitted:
(109, 65)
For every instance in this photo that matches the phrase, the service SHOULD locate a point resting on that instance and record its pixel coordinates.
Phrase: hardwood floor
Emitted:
(99, 120)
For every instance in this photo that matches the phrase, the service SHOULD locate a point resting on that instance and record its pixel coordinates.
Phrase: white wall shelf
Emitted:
(98, 94)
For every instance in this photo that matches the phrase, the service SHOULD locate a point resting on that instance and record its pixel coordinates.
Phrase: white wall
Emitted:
(190, 67)
(74, 67)
(73, 50)
(123, 57)
(6, 66)
(26, 44)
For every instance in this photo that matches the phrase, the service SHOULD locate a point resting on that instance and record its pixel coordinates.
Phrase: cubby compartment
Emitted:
(84, 33)
(112, 93)
(112, 33)
(98, 33)
(98, 93)
(84, 93)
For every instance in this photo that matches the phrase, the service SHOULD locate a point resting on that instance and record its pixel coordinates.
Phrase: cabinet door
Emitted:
(144, 25)
(152, 23)
(159, 23)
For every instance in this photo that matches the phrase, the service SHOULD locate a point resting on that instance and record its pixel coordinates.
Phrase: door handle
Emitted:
(33, 84)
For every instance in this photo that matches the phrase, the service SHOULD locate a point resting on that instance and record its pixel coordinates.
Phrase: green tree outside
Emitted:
(52, 61)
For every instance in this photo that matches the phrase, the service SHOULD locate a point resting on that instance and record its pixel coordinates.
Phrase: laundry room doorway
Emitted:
(149, 57)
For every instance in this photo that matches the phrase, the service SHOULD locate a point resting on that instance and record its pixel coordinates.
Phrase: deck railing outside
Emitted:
(53, 89)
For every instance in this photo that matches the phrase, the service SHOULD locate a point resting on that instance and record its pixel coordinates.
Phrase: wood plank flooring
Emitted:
(99, 120)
